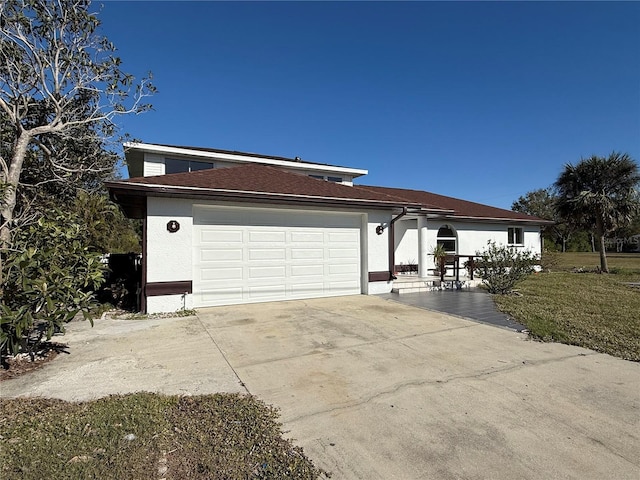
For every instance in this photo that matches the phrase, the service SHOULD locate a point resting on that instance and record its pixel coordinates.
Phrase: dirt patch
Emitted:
(22, 363)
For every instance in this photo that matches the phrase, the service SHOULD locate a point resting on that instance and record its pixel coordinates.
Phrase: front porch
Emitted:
(459, 274)
(412, 283)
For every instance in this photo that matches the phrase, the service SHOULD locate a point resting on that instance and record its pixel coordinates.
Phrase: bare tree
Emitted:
(61, 87)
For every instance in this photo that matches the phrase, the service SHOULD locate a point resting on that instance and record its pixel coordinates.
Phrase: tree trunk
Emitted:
(604, 268)
(9, 201)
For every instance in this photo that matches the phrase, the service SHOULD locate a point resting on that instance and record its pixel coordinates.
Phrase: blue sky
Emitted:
(478, 100)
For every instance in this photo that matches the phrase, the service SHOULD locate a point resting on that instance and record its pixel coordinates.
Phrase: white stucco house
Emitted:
(225, 227)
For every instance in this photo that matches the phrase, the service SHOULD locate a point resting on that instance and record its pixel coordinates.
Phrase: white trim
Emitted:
(146, 147)
(499, 219)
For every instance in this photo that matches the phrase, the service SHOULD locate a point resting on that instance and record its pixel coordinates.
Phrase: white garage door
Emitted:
(244, 255)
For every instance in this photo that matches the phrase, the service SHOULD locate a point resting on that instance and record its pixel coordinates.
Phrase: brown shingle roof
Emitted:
(262, 179)
(460, 208)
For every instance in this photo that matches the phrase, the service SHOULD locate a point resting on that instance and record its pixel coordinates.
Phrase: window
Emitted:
(193, 166)
(447, 238)
(173, 165)
(329, 179)
(515, 236)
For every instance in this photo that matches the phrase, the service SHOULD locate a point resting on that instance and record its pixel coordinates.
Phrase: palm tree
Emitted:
(599, 193)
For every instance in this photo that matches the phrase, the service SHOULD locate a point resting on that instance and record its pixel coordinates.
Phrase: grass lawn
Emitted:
(144, 435)
(595, 311)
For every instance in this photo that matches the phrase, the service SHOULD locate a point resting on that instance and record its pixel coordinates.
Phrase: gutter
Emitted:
(392, 241)
(536, 221)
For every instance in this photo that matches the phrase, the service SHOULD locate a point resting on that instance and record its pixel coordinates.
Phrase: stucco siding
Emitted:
(471, 237)
(377, 251)
(406, 240)
(169, 303)
(169, 254)
(378, 245)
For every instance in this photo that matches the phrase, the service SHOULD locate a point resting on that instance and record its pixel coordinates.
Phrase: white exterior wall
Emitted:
(471, 237)
(169, 303)
(377, 251)
(406, 240)
(169, 254)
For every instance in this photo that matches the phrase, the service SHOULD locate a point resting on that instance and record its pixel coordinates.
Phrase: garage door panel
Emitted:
(347, 238)
(279, 271)
(345, 285)
(343, 253)
(221, 236)
(270, 255)
(221, 273)
(265, 292)
(344, 269)
(306, 253)
(310, 289)
(305, 237)
(267, 236)
(221, 254)
(267, 254)
(221, 296)
(306, 270)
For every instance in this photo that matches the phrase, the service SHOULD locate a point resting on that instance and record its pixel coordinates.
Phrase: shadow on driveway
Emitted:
(473, 304)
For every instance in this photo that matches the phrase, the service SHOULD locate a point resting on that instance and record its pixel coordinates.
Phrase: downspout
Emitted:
(143, 286)
(392, 241)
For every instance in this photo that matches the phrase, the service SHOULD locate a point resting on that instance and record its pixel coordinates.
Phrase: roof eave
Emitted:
(533, 221)
(282, 162)
(139, 189)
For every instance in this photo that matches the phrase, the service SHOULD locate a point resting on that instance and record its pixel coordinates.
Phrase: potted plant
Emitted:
(440, 260)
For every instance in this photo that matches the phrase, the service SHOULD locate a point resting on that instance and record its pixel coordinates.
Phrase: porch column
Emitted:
(423, 251)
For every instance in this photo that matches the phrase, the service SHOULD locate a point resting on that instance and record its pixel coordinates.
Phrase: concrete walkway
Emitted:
(474, 304)
(374, 389)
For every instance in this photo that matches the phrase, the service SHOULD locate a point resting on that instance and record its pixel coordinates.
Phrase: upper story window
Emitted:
(515, 236)
(328, 178)
(174, 165)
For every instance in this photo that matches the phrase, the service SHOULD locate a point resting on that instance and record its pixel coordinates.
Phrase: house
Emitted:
(224, 227)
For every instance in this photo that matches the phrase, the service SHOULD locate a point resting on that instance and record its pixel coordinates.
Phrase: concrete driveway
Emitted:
(375, 389)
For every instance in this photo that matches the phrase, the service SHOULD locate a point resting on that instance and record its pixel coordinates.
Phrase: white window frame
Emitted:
(512, 236)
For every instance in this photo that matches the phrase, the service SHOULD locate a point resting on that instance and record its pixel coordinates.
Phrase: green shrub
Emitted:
(49, 277)
(501, 267)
